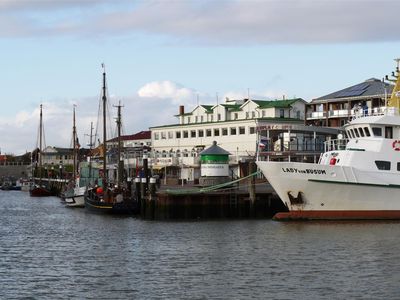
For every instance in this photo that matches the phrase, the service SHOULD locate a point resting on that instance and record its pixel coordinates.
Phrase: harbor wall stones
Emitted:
(16, 171)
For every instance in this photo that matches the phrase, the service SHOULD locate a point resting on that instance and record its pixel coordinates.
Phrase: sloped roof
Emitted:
(276, 103)
(367, 88)
(142, 135)
(214, 150)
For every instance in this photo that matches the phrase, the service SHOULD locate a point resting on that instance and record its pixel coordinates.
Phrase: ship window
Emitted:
(377, 131)
(361, 132)
(383, 164)
(398, 166)
(356, 132)
(367, 131)
(389, 132)
(349, 134)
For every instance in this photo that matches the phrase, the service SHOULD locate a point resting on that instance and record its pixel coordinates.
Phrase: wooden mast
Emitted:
(104, 135)
(40, 145)
(120, 165)
(75, 152)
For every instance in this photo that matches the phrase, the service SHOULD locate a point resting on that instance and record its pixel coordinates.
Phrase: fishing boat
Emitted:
(74, 195)
(109, 197)
(39, 189)
(358, 177)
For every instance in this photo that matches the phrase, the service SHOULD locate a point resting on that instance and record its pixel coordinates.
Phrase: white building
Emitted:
(236, 126)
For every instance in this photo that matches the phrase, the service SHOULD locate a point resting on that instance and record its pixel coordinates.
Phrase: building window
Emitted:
(185, 134)
(398, 166)
(195, 119)
(253, 114)
(201, 119)
(298, 115)
(224, 131)
(200, 133)
(188, 119)
(163, 135)
(383, 164)
(170, 135)
(216, 131)
(247, 114)
(208, 132)
(219, 117)
(192, 133)
(233, 130)
(252, 130)
(281, 113)
(236, 116)
(263, 113)
(177, 134)
(242, 130)
(212, 118)
(156, 136)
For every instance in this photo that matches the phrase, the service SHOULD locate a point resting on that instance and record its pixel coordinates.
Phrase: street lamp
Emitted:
(60, 169)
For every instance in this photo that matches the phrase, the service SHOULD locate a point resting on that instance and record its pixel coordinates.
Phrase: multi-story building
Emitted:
(337, 108)
(133, 147)
(238, 127)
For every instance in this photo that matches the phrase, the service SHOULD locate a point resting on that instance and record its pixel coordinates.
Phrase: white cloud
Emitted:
(167, 90)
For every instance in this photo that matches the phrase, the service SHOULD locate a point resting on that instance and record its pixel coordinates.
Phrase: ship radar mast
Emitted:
(394, 100)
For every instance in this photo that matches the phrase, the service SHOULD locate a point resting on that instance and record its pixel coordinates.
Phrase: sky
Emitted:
(162, 54)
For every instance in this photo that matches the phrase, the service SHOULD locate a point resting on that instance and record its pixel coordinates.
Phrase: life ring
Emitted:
(396, 145)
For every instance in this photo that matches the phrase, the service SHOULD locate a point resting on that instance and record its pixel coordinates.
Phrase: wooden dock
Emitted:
(236, 203)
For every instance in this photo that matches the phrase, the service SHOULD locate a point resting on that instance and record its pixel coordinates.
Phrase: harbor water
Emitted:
(48, 251)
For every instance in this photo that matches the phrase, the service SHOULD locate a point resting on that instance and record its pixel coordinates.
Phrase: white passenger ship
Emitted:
(358, 178)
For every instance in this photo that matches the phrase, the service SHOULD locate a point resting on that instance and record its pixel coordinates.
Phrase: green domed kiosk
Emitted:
(214, 165)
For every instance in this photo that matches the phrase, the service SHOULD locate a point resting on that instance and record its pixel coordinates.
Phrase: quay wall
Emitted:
(217, 205)
(16, 171)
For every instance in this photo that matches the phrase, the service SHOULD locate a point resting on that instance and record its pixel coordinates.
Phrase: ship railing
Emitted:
(375, 111)
(335, 145)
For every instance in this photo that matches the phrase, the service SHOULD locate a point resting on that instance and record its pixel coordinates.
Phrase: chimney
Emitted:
(181, 110)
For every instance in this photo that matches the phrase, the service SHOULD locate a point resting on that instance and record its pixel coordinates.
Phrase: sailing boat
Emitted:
(39, 190)
(75, 195)
(105, 197)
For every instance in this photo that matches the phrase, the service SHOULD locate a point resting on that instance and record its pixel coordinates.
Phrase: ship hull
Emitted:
(76, 198)
(39, 191)
(313, 191)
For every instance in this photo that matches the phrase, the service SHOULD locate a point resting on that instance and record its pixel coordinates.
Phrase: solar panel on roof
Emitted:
(353, 91)
(361, 86)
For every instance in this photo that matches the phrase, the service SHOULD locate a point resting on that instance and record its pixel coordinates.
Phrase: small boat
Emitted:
(356, 178)
(6, 185)
(26, 185)
(106, 197)
(39, 189)
(74, 196)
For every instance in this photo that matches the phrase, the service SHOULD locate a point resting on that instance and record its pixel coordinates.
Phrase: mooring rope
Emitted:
(208, 188)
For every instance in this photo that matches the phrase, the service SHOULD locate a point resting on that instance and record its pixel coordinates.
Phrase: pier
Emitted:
(244, 201)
